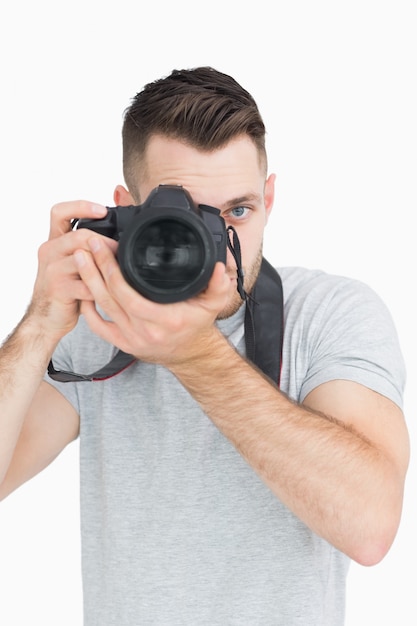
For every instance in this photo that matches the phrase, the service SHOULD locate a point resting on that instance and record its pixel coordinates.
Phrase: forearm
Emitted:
(331, 477)
(23, 361)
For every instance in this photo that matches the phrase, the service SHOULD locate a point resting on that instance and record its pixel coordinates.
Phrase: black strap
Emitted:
(264, 329)
(119, 362)
(264, 322)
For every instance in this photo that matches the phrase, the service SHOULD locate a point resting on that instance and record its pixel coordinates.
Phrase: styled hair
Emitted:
(201, 107)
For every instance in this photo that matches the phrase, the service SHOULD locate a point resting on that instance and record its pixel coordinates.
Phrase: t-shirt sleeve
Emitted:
(346, 332)
(81, 352)
(62, 360)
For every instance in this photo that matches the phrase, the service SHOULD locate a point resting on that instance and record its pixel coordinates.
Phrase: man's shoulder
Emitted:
(299, 277)
(312, 290)
(301, 280)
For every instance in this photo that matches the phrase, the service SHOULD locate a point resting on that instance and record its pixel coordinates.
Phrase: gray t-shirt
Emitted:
(177, 529)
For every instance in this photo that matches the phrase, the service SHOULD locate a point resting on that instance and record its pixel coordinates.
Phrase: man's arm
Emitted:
(338, 461)
(36, 422)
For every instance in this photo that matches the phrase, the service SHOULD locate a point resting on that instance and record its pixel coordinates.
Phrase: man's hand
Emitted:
(159, 333)
(58, 288)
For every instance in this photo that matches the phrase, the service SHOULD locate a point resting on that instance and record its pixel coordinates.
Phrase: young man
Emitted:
(209, 494)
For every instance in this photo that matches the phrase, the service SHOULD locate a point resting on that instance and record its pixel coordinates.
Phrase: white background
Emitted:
(336, 84)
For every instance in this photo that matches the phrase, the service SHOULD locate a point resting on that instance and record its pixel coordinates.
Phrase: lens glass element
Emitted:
(168, 254)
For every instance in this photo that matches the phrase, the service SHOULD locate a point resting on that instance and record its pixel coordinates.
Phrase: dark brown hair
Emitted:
(201, 107)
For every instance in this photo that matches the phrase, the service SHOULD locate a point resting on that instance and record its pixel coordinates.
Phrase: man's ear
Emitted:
(122, 196)
(269, 194)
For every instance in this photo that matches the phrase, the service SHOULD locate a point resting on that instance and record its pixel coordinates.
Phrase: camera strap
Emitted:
(264, 314)
(264, 322)
(264, 330)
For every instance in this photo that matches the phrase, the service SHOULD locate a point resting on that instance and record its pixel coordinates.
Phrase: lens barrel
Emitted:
(167, 255)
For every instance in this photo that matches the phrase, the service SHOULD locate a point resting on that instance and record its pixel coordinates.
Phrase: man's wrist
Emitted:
(211, 352)
(30, 337)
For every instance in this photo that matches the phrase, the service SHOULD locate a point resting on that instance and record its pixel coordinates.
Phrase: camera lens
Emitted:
(167, 256)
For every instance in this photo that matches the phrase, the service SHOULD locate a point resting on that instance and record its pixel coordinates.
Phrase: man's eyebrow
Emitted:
(249, 197)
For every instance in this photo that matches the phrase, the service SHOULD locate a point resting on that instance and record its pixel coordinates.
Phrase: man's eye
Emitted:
(239, 211)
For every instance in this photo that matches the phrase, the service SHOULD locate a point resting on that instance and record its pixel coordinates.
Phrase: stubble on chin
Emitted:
(236, 301)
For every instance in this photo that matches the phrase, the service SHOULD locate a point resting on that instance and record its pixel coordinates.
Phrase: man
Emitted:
(209, 495)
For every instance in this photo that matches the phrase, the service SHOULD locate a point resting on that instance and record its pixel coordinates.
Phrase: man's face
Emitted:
(231, 179)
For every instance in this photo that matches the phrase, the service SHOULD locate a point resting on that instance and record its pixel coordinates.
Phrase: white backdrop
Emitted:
(336, 84)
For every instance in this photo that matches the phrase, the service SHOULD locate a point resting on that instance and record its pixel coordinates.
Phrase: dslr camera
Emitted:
(168, 245)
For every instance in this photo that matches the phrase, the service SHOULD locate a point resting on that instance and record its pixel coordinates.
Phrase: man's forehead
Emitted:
(231, 171)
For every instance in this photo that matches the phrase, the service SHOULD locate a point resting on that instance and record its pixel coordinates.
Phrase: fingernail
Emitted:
(94, 244)
(79, 258)
(98, 209)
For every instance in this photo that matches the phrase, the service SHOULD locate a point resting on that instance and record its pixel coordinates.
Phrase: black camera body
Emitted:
(168, 246)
